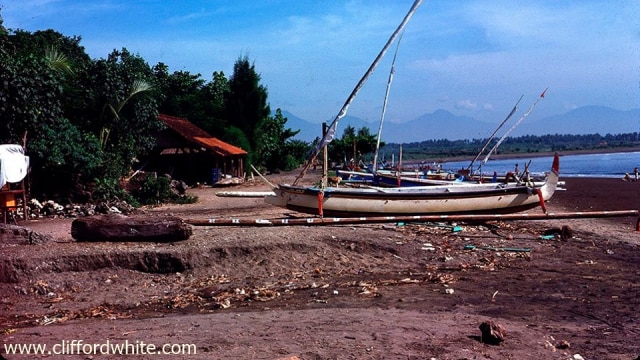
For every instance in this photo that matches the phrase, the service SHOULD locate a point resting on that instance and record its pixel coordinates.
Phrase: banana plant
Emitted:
(139, 86)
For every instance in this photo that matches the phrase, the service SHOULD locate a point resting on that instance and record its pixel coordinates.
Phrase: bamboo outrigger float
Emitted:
(317, 221)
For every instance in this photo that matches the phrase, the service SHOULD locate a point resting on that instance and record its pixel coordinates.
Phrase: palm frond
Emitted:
(57, 60)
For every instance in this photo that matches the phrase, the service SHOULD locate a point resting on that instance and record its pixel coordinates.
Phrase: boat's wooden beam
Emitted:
(310, 221)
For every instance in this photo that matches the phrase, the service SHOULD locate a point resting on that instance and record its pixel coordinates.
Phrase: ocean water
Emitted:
(613, 165)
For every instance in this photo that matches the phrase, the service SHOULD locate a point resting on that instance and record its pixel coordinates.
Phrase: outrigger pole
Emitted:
(326, 139)
(495, 147)
(310, 221)
(484, 147)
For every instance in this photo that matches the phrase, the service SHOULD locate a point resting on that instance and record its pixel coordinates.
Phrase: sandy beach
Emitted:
(339, 292)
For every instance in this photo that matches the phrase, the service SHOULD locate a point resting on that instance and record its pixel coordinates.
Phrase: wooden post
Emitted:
(325, 158)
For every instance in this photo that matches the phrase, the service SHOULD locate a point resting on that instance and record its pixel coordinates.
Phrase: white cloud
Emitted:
(467, 104)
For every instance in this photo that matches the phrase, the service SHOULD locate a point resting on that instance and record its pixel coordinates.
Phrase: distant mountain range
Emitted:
(442, 124)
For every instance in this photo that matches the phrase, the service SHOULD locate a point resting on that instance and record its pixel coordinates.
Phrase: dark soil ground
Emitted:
(383, 291)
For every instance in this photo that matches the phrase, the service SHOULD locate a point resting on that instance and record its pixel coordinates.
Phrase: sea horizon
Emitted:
(605, 165)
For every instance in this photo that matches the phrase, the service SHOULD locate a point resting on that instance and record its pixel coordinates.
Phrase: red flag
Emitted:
(545, 90)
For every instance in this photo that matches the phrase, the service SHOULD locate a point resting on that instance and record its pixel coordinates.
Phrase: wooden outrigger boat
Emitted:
(437, 199)
(460, 180)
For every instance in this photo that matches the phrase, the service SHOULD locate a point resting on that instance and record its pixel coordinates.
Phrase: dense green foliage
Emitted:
(85, 122)
(275, 149)
(157, 190)
(353, 145)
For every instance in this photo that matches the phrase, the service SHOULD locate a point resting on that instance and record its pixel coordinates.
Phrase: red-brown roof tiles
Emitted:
(194, 134)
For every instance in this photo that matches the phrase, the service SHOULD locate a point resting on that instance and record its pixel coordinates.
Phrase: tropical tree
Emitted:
(123, 111)
(213, 98)
(353, 145)
(342, 149)
(189, 96)
(246, 102)
(179, 90)
(296, 153)
(272, 135)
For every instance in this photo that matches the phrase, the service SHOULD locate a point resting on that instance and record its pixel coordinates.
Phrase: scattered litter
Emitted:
(507, 249)
(453, 227)
(428, 247)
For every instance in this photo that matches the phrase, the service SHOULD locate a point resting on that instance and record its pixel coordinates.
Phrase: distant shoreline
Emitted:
(536, 154)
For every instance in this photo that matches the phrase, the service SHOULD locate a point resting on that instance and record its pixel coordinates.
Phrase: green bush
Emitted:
(154, 190)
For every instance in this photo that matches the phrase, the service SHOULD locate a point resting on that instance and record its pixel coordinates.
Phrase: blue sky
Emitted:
(472, 58)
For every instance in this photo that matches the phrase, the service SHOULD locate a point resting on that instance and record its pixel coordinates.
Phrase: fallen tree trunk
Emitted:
(115, 227)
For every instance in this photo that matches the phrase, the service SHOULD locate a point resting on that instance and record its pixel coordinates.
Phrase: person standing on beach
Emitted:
(635, 173)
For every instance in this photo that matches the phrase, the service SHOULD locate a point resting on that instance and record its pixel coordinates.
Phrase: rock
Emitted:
(492, 333)
(38, 238)
(565, 233)
(13, 234)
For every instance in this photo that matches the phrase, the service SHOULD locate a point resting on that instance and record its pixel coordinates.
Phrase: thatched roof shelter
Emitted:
(189, 153)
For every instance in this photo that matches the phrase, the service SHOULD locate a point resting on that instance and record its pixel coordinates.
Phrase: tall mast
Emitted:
(384, 106)
(326, 139)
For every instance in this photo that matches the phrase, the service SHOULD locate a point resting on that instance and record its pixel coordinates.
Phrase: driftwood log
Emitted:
(116, 227)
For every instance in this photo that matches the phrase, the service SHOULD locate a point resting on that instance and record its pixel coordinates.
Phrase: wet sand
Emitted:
(594, 194)
(598, 194)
